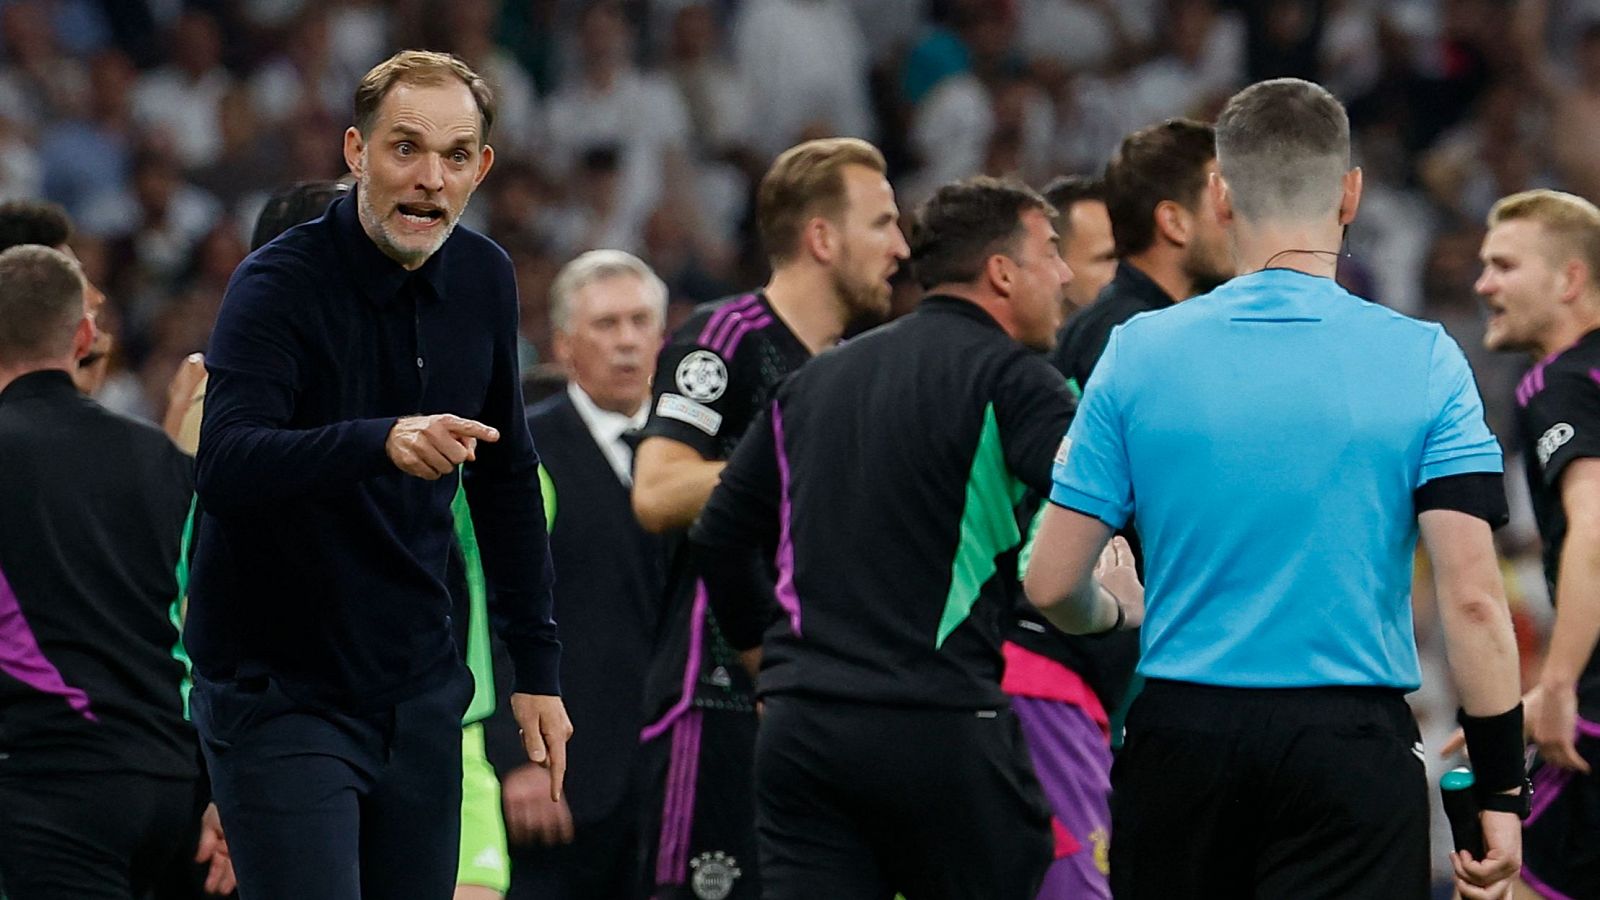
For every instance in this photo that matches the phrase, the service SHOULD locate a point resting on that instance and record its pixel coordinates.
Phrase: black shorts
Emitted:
(101, 836)
(1275, 794)
(1561, 839)
(857, 802)
(699, 811)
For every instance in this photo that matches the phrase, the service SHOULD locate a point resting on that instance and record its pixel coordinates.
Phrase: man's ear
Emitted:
(83, 338)
(485, 163)
(1221, 199)
(999, 271)
(1350, 196)
(819, 239)
(353, 145)
(1172, 223)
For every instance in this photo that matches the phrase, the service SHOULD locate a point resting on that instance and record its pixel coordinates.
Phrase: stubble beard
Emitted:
(378, 229)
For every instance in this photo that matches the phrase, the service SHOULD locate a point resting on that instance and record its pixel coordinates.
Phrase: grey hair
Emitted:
(41, 303)
(1283, 147)
(600, 265)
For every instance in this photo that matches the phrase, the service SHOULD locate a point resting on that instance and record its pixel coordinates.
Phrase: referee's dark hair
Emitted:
(300, 202)
(33, 222)
(1283, 147)
(1160, 163)
(41, 303)
(963, 224)
(1063, 191)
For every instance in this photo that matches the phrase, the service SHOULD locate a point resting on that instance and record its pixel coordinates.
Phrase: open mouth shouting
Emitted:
(421, 215)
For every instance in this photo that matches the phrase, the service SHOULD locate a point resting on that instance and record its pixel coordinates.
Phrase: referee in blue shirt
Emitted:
(1279, 443)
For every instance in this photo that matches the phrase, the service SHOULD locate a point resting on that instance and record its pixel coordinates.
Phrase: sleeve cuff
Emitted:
(1079, 502)
(371, 436)
(537, 669)
(1489, 463)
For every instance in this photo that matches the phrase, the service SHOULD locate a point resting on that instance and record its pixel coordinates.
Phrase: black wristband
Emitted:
(1495, 744)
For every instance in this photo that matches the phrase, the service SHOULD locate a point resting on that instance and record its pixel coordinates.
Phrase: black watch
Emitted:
(1520, 803)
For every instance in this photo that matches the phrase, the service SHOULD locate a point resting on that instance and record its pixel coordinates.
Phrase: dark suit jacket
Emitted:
(609, 574)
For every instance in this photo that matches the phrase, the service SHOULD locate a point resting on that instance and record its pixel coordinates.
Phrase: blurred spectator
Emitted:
(1574, 102)
(1283, 38)
(1024, 128)
(86, 157)
(153, 228)
(614, 128)
(183, 97)
(1077, 35)
(251, 158)
(1498, 151)
(1449, 299)
(38, 80)
(714, 95)
(303, 78)
(1201, 62)
(470, 26)
(806, 63)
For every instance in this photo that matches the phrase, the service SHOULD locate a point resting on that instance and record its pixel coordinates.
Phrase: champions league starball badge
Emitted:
(702, 376)
(714, 875)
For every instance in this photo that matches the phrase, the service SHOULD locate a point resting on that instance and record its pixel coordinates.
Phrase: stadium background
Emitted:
(161, 126)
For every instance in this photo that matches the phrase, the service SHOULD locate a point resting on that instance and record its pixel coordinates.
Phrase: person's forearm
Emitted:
(240, 465)
(1577, 626)
(669, 497)
(1482, 649)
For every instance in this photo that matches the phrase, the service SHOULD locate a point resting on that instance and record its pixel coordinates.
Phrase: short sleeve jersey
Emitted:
(714, 376)
(1558, 421)
(1266, 439)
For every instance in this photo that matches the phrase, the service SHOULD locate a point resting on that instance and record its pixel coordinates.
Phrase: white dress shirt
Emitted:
(607, 429)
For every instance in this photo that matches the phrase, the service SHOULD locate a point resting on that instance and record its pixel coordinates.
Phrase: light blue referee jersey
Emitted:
(1266, 439)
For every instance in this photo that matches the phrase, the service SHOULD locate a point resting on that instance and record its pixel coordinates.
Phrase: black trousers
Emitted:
(101, 836)
(1274, 794)
(858, 801)
(320, 805)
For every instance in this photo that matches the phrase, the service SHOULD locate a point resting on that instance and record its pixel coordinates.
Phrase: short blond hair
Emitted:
(1573, 223)
(807, 180)
(420, 67)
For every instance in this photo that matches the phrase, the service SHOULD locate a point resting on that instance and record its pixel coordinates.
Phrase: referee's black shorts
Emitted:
(1294, 794)
(856, 802)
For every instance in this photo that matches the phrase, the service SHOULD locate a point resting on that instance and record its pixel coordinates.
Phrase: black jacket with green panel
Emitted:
(884, 480)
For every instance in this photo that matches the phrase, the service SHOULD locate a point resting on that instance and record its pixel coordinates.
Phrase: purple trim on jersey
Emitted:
(1548, 783)
(21, 658)
(1533, 382)
(754, 323)
(1594, 375)
(677, 808)
(691, 669)
(724, 318)
(1542, 889)
(1073, 762)
(788, 597)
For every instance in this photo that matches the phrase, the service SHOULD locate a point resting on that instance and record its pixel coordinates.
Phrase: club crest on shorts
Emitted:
(714, 875)
(1551, 441)
(702, 376)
